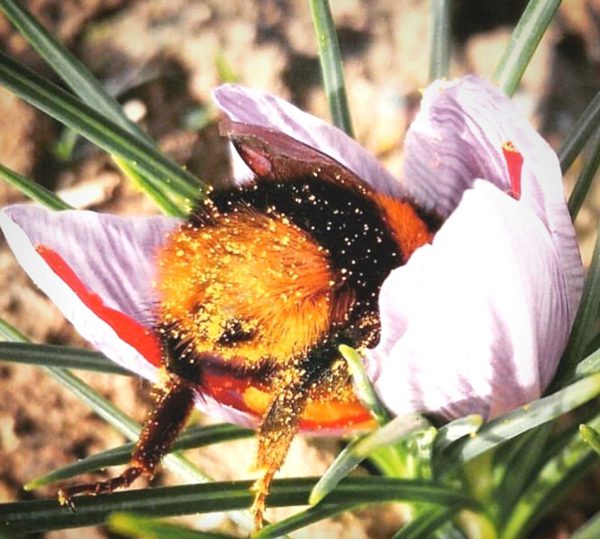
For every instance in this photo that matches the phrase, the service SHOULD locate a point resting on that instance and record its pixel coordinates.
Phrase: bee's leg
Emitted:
(174, 402)
(277, 430)
(292, 391)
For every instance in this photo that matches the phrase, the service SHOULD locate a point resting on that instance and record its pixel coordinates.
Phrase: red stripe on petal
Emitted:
(514, 163)
(128, 330)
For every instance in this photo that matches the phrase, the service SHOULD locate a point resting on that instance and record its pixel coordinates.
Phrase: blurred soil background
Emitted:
(162, 58)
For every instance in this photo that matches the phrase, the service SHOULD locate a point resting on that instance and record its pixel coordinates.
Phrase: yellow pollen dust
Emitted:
(250, 286)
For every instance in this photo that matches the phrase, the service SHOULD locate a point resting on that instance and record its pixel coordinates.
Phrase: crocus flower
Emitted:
(474, 322)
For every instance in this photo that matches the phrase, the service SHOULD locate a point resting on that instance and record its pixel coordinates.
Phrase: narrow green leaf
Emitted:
(113, 416)
(64, 146)
(106, 410)
(32, 189)
(525, 418)
(513, 475)
(356, 451)
(585, 320)
(87, 87)
(590, 530)
(72, 112)
(321, 511)
(46, 515)
(589, 365)
(301, 520)
(440, 44)
(71, 70)
(49, 355)
(586, 124)
(427, 523)
(362, 384)
(388, 458)
(156, 194)
(10, 333)
(137, 526)
(331, 65)
(523, 42)
(391, 460)
(550, 483)
(193, 437)
(455, 430)
(591, 437)
(586, 177)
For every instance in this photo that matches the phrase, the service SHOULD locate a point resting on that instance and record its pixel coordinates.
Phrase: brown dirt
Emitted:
(161, 57)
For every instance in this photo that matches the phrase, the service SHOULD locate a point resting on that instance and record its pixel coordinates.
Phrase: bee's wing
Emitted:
(273, 155)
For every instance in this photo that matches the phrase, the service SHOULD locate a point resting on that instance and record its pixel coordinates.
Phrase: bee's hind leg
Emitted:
(293, 388)
(174, 401)
(277, 430)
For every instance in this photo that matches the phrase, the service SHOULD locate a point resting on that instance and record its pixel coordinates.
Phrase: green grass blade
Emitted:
(590, 530)
(72, 112)
(360, 449)
(322, 511)
(439, 40)
(585, 320)
(107, 411)
(591, 437)
(10, 333)
(301, 520)
(552, 481)
(33, 190)
(390, 460)
(426, 524)
(113, 416)
(137, 526)
(50, 355)
(586, 177)
(514, 474)
(45, 515)
(153, 191)
(71, 70)
(65, 145)
(193, 437)
(88, 89)
(331, 65)
(509, 426)
(362, 384)
(523, 42)
(586, 124)
(455, 430)
(589, 365)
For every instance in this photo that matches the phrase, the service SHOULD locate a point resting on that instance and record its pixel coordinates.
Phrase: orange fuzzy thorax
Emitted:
(257, 272)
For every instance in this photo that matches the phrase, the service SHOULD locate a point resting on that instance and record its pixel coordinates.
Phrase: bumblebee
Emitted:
(257, 290)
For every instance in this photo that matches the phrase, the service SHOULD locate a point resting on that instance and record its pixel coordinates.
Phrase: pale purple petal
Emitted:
(477, 321)
(252, 107)
(458, 137)
(112, 257)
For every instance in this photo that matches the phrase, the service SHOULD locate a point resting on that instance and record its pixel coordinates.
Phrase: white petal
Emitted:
(475, 322)
(458, 137)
